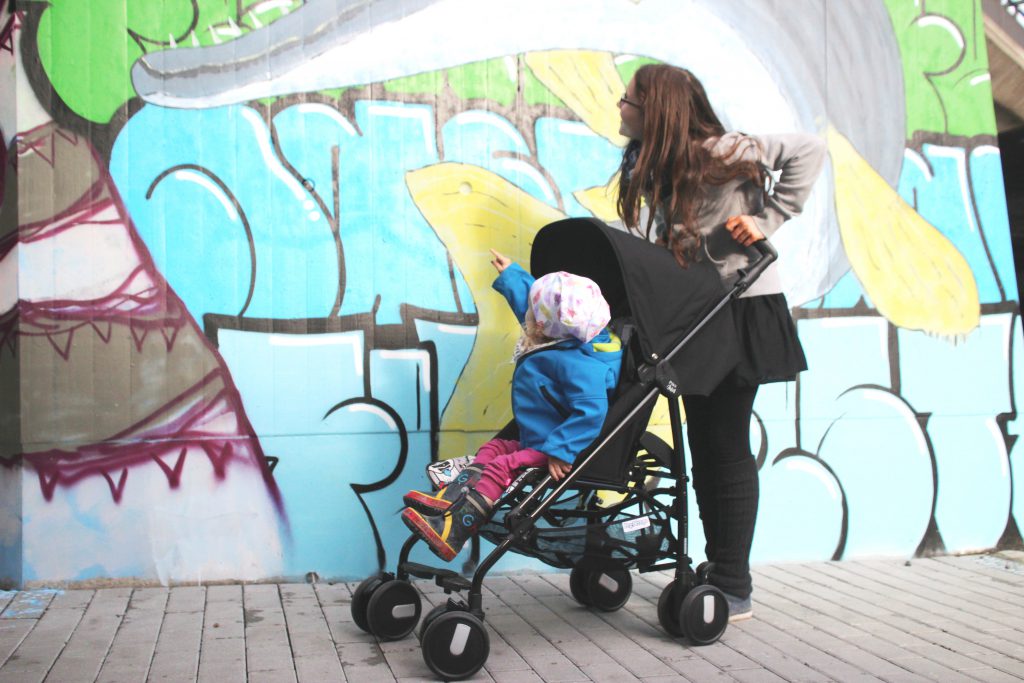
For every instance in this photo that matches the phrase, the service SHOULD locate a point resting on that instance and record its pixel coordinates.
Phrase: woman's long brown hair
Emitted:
(673, 166)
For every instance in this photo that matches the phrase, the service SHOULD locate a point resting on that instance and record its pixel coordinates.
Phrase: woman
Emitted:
(707, 190)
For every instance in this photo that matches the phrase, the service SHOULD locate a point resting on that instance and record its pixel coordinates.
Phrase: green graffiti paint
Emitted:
(627, 66)
(945, 67)
(418, 83)
(493, 79)
(87, 49)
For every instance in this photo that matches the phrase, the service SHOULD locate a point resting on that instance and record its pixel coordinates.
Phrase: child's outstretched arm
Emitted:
(513, 283)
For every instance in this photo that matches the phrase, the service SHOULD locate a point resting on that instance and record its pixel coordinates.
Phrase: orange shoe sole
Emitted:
(425, 503)
(422, 528)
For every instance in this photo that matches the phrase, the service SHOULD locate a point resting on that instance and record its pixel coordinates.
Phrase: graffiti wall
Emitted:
(246, 283)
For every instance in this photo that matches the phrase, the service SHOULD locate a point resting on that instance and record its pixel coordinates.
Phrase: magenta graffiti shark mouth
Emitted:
(191, 426)
(133, 382)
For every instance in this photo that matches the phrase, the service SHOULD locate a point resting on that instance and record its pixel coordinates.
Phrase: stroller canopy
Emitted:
(643, 282)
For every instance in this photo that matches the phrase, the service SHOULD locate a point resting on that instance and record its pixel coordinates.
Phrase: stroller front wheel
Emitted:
(455, 645)
(609, 590)
(704, 614)
(606, 589)
(669, 604)
(434, 613)
(361, 598)
(578, 586)
(393, 610)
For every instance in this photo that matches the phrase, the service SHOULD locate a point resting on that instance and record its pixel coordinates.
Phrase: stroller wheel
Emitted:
(455, 645)
(702, 571)
(609, 589)
(578, 586)
(393, 610)
(669, 604)
(434, 613)
(704, 614)
(361, 598)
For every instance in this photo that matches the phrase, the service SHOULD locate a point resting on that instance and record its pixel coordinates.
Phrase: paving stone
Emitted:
(186, 599)
(12, 632)
(39, 649)
(5, 599)
(515, 677)
(757, 676)
(31, 604)
(222, 660)
(230, 594)
(857, 621)
(640, 663)
(364, 661)
(73, 599)
(85, 652)
(131, 651)
(176, 657)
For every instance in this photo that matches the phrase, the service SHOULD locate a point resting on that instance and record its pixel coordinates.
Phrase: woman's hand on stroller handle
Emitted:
(744, 229)
(500, 261)
(558, 468)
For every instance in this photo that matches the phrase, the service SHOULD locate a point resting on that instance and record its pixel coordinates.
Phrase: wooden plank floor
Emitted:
(940, 619)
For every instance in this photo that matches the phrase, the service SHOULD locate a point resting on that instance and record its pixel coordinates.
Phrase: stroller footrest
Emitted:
(445, 578)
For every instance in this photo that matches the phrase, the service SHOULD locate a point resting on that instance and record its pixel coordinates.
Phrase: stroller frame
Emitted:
(453, 638)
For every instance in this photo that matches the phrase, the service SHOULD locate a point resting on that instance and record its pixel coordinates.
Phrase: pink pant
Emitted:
(501, 458)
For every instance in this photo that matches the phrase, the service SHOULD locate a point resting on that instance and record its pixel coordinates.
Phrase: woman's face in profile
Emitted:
(631, 112)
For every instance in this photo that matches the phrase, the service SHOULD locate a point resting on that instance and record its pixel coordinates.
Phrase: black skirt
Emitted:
(770, 350)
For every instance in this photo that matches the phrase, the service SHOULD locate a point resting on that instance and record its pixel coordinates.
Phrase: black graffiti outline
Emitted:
(333, 217)
(375, 337)
(237, 206)
(360, 489)
(844, 528)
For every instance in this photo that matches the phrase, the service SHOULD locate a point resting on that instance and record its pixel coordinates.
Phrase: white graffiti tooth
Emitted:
(232, 29)
(271, 5)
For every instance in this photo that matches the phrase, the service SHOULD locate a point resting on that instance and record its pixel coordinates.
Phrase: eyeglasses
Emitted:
(625, 100)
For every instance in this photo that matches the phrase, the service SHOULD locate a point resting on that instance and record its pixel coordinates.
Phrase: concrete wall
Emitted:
(249, 296)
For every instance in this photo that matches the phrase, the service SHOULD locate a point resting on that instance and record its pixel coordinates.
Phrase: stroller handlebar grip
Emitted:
(749, 275)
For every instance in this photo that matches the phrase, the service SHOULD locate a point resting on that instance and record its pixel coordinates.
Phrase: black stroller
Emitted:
(614, 511)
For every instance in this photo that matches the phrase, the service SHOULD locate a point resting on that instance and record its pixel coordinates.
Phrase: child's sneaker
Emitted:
(435, 504)
(740, 609)
(443, 472)
(446, 534)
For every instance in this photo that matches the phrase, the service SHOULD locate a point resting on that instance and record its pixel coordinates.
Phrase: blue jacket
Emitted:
(560, 393)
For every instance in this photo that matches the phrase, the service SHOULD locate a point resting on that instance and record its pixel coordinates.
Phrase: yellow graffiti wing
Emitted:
(587, 82)
(472, 211)
(912, 272)
(601, 200)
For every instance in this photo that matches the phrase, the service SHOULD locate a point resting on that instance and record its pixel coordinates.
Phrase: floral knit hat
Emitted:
(566, 305)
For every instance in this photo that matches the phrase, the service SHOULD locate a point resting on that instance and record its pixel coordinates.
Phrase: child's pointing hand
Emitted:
(500, 261)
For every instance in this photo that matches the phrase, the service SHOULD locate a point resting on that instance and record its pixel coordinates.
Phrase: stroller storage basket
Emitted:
(574, 532)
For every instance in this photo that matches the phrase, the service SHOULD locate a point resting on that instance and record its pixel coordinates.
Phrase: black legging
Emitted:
(725, 480)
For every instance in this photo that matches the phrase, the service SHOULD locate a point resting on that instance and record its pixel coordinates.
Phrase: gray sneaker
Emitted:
(739, 608)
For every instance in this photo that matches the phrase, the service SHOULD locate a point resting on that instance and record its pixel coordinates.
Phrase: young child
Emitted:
(567, 365)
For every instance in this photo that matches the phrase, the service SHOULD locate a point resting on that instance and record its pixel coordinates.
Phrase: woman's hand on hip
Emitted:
(558, 468)
(743, 229)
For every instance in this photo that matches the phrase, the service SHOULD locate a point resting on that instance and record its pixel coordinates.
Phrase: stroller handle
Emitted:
(750, 274)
